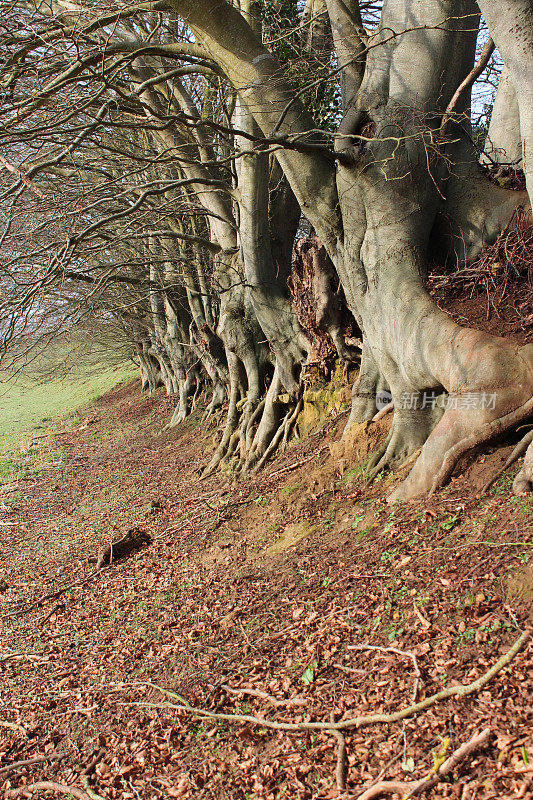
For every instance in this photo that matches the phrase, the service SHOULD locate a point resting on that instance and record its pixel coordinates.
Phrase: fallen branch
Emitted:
(341, 769)
(459, 690)
(29, 761)
(49, 786)
(410, 789)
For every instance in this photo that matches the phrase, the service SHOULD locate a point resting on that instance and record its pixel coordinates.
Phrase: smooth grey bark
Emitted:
(267, 289)
(388, 199)
(504, 142)
(511, 26)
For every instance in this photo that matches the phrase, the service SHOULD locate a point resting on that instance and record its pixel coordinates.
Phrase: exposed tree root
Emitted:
(518, 451)
(523, 482)
(384, 411)
(232, 419)
(274, 442)
(414, 788)
(483, 434)
(405, 439)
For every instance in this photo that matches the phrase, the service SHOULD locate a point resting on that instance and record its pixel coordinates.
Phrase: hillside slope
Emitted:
(297, 595)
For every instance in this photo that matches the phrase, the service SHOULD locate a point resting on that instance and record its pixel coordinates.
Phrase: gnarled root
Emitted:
(523, 482)
(458, 431)
(232, 419)
(365, 390)
(409, 431)
(282, 434)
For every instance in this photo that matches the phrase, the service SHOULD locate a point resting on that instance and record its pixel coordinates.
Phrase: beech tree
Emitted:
(357, 117)
(403, 162)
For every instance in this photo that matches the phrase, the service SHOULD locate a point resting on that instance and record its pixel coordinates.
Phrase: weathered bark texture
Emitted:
(511, 26)
(389, 188)
(504, 142)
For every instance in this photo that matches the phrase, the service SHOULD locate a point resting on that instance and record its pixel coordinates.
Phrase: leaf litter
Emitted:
(329, 628)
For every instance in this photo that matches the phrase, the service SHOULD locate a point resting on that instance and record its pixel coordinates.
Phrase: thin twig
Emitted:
(49, 786)
(459, 690)
(29, 761)
(263, 696)
(410, 789)
(472, 76)
(399, 652)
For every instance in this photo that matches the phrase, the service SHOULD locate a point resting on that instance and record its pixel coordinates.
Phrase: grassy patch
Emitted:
(27, 404)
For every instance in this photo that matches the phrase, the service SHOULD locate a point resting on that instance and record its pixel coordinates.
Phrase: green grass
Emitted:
(26, 405)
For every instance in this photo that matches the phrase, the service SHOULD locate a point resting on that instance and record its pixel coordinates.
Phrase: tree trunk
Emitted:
(388, 198)
(511, 26)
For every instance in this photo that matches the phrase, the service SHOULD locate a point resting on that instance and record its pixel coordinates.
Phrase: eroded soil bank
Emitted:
(257, 598)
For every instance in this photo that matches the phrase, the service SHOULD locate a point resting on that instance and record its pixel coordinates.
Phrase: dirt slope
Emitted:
(258, 598)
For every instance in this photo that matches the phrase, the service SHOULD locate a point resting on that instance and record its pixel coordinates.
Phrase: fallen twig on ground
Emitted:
(459, 690)
(264, 696)
(29, 761)
(399, 652)
(341, 770)
(410, 789)
(49, 786)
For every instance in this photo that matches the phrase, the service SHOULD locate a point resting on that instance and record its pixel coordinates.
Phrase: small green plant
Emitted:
(465, 636)
(450, 522)
(388, 556)
(288, 490)
(394, 632)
